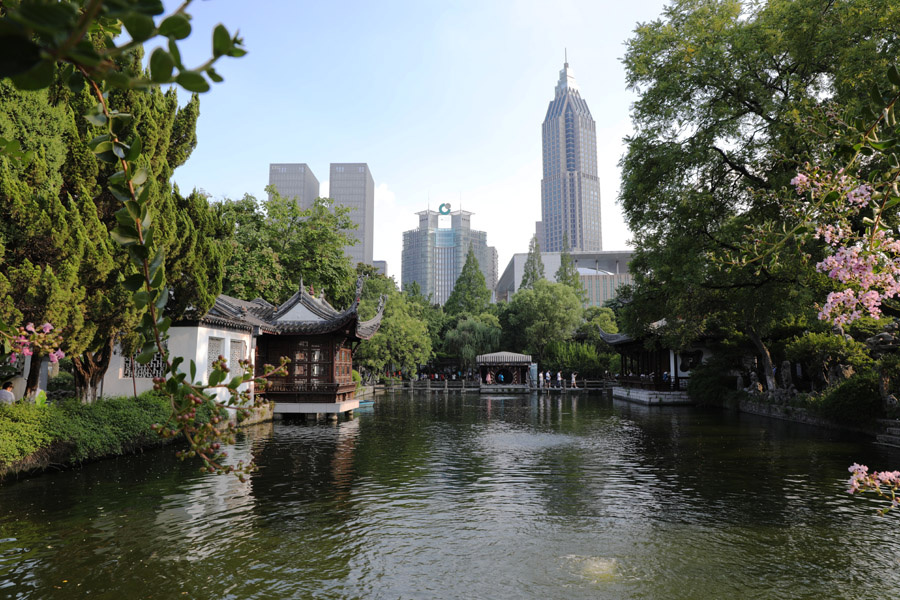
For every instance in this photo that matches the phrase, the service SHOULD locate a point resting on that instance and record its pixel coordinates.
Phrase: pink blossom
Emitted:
(800, 183)
(860, 195)
(30, 328)
(56, 355)
(46, 328)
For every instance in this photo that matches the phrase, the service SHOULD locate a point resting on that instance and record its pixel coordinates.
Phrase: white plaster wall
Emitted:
(192, 343)
(677, 356)
(182, 342)
(202, 348)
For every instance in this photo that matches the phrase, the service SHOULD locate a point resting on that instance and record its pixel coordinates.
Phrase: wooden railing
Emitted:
(290, 386)
(474, 385)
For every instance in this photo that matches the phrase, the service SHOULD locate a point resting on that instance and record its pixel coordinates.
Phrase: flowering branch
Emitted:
(884, 484)
(28, 340)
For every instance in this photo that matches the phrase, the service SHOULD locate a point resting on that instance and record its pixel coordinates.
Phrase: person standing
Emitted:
(6, 393)
(540, 379)
(574, 387)
(559, 382)
(547, 379)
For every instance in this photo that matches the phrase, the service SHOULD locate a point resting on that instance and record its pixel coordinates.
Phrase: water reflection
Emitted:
(449, 496)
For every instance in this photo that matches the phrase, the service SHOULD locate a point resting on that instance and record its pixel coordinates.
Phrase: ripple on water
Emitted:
(465, 497)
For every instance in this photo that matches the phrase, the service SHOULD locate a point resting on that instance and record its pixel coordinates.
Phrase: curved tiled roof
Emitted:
(503, 358)
(615, 338)
(323, 318)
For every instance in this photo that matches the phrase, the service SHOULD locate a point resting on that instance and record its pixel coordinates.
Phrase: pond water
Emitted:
(452, 496)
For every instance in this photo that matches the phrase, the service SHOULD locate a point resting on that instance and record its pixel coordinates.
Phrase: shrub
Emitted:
(63, 381)
(818, 352)
(710, 383)
(109, 426)
(855, 400)
(24, 428)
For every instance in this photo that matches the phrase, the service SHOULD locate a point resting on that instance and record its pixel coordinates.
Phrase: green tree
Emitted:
(422, 308)
(375, 287)
(317, 253)
(818, 352)
(277, 244)
(473, 336)
(253, 269)
(535, 318)
(57, 213)
(567, 274)
(534, 266)
(46, 235)
(470, 294)
(402, 341)
(728, 92)
(595, 319)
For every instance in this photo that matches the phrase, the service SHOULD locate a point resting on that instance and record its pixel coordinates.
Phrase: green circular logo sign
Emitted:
(444, 208)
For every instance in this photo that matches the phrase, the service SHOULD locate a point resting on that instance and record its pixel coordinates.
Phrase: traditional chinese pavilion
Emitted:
(318, 340)
(506, 372)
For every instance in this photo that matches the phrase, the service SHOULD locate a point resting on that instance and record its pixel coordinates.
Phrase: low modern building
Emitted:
(435, 252)
(382, 266)
(601, 273)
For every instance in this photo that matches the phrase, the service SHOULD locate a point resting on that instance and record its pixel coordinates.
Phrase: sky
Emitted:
(443, 99)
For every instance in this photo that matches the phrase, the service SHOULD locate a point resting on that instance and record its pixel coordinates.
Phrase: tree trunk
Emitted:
(34, 374)
(90, 368)
(768, 367)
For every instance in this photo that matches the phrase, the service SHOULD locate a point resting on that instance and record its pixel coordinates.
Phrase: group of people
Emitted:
(546, 380)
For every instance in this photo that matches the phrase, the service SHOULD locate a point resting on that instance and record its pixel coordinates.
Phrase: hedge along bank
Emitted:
(35, 438)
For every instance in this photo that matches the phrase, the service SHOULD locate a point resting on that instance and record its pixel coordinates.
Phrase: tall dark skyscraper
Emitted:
(570, 188)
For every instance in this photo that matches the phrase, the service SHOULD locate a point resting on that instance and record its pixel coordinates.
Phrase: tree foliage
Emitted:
(424, 309)
(61, 263)
(726, 94)
(567, 273)
(534, 266)
(470, 294)
(472, 336)
(276, 244)
(402, 341)
(535, 318)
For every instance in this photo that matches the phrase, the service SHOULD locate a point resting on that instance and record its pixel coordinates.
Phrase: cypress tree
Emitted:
(567, 273)
(534, 266)
(59, 262)
(470, 294)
